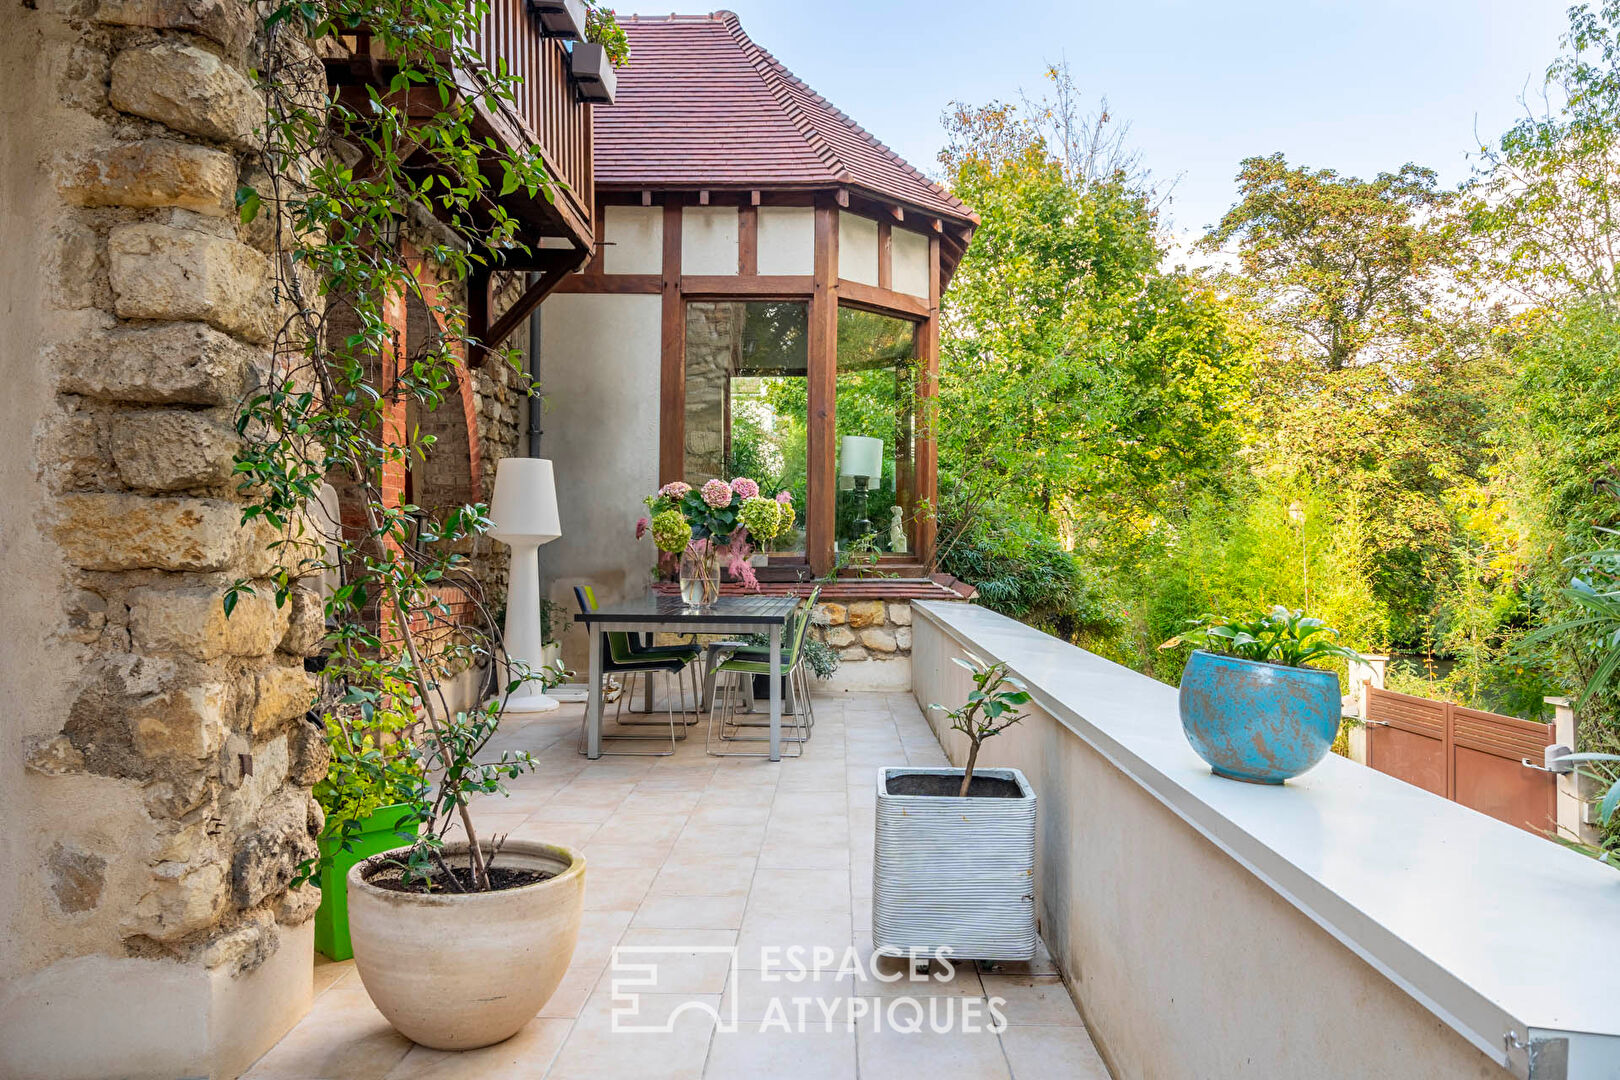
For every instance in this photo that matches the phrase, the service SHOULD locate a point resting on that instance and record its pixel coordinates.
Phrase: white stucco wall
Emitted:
(857, 248)
(787, 240)
(599, 367)
(909, 272)
(709, 240)
(633, 239)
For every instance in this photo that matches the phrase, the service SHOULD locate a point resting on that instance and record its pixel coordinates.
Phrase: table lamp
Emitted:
(524, 515)
(860, 462)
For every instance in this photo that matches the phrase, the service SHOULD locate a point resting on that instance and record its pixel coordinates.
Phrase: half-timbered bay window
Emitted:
(763, 301)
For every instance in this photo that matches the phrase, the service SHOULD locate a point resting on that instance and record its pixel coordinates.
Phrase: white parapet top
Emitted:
(1507, 937)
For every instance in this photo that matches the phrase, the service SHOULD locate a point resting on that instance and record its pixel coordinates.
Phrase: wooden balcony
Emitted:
(545, 113)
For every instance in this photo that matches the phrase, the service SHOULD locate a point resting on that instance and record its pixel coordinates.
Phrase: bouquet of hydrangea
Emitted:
(726, 519)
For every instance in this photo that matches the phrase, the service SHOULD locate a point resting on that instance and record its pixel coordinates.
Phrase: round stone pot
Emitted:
(454, 971)
(1262, 723)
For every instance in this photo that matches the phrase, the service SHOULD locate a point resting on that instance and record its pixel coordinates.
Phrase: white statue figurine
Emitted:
(897, 531)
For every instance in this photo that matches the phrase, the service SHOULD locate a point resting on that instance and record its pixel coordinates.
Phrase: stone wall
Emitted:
(873, 640)
(154, 761)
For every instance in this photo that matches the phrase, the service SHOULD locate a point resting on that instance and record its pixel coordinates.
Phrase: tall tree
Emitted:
(1347, 264)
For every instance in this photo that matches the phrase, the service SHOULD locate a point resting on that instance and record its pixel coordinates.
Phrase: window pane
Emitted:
(746, 397)
(877, 380)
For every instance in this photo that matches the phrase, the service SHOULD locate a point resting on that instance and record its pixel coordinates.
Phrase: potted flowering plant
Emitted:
(719, 520)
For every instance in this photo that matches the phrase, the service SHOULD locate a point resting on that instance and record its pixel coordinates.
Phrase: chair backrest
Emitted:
(618, 641)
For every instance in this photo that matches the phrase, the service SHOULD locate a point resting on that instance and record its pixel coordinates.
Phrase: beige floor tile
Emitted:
(623, 828)
(595, 1050)
(573, 834)
(886, 1054)
(346, 1038)
(652, 961)
(799, 890)
(616, 888)
(1033, 999)
(609, 856)
(766, 936)
(750, 1054)
(794, 855)
(592, 812)
(525, 1056)
(1038, 1052)
(730, 875)
(646, 800)
(328, 972)
(756, 994)
(690, 912)
(568, 1000)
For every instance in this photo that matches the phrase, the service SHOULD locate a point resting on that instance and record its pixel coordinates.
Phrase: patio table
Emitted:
(657, 613)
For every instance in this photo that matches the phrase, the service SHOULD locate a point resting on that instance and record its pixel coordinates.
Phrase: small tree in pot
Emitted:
(954, 856)
(458, 942)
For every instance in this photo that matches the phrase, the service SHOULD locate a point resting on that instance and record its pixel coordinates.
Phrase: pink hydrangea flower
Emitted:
(784, 496)
(641, 526)
(745, 487)
(717, 493)
(674, 490)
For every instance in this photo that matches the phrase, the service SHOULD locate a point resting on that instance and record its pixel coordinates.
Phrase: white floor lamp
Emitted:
(524, 512)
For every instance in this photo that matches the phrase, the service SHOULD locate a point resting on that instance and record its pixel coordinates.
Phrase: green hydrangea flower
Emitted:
(671, 531)
(761, 517)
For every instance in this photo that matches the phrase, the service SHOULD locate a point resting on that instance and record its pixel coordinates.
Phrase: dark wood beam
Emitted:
(620, 284)
(726, 286)
(821, 499)
(748, 241)
(672, 353)
(885, 255)
(883, 301)
(551, 276)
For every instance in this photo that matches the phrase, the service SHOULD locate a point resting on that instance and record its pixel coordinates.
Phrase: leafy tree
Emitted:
(1346, 264)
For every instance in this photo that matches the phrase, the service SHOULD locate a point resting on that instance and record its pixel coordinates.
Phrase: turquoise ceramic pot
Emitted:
(1258, 722)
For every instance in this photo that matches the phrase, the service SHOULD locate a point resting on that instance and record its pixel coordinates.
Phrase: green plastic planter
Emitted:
(378, 833)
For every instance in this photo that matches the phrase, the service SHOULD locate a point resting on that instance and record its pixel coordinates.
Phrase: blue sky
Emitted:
(1356, 85)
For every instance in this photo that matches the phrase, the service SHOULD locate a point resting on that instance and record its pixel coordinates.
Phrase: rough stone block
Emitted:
(188, 89)
(227, 22)
(154, 172)
(282, 694)
(310, 756)
(187, 723)
(840, 637)
(164, 272)
(77, 877)
(192, 620)
(74, 268)
(73, 454)
(854, 652)
(133, 532)
(306, 623)
(299, 905)
(181, 364)
(173, 450)
(836, 614)
(902, 638)
(900, 614)
(865, 613)
(183, 899)
(266, 861)
(878, 640)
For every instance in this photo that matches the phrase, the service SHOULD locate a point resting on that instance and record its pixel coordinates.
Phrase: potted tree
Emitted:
(458, 938)
(954, 857)
(1250, 705)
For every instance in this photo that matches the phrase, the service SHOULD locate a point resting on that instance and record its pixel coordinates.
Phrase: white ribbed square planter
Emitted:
(955, 873)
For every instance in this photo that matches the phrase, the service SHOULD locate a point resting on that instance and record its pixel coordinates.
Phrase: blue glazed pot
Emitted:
(1258, 722)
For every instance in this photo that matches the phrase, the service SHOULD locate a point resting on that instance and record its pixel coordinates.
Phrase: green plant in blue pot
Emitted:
(1250, 705)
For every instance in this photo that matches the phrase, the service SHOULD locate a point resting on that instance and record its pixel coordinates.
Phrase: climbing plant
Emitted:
(343, 174)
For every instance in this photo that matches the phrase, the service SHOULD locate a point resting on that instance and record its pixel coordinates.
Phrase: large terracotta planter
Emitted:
(1258, 722)
(457, 971)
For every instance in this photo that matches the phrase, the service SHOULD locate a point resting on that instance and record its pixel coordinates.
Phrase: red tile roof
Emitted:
(702, 105)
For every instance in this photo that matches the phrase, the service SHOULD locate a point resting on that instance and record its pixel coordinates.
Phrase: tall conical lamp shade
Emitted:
(524, 513)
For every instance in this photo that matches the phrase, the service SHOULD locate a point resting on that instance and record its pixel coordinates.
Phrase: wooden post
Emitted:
(672, 350)
(927, 449)
(748, 241)
(821, 480)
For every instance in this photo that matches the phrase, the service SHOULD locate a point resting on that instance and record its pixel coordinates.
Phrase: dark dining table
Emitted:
(659, 613)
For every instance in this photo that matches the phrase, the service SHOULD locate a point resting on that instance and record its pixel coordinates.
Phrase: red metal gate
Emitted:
(1471, 757)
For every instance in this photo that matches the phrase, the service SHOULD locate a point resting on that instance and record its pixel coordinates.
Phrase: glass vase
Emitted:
(700, 575)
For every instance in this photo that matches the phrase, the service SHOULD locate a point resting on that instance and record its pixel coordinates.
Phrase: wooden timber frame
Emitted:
(824, 293)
